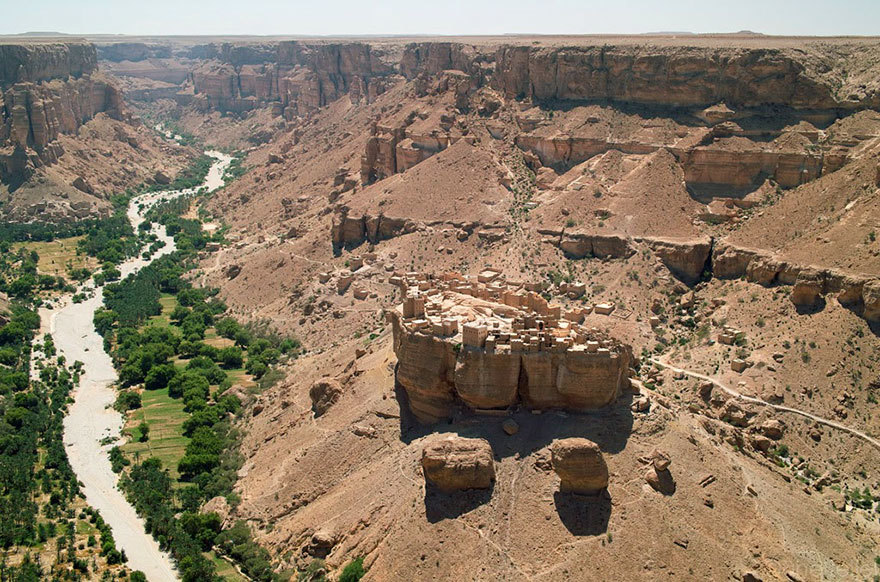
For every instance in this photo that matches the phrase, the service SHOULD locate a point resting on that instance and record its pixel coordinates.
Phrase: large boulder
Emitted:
(162, 178)
(456, 463)
(580, 465)
(83, 185)
(324, 393)
(772, 428)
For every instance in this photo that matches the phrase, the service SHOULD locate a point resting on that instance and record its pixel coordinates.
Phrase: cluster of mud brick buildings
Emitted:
(503, 316)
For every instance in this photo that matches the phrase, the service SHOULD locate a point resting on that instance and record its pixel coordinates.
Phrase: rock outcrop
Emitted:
(578, 244)
(457, 463)
(35, 62)
(871, 300)
(860, 293)
(324, 393)
(808, 289)
(493, 347)
(36, 113)
(350, 230)
(687, 260)
(580, 466)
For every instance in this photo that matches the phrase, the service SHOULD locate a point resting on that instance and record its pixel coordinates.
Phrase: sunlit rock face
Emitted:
(492, 345)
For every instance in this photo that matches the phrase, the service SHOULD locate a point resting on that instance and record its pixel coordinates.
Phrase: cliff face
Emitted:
(310, 74)
(678, 76)
(34, 114)
(674, 76)
(133, 51)
(430, 58)
(856, 292)
(301, 76)
(36, 62)
(47, 90)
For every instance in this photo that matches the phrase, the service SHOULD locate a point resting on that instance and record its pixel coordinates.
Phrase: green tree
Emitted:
(187, 380)
(353, 571)
(159, 376)
(144, 429)
(231, 357)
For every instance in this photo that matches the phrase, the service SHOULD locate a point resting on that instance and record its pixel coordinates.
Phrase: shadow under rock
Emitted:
(440, 505)
(609, 427)
(809, 309)
(583, 515)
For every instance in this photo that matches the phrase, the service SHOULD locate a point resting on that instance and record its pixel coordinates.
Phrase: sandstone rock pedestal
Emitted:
(580, 465)
(457, 464)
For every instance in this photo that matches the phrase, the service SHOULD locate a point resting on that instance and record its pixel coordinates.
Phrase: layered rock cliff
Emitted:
(679, 76)
(810, 284)
(43, 61)
(48, 92)
(34, 114)
(47, 89)
(301, 76)
(437, 374)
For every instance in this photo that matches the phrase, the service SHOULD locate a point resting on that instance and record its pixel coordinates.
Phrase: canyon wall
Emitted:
(43, 61)
(670, 76)
(47, 89)
(34, 114)
(133, 51)
(301, 76)
(678, 76)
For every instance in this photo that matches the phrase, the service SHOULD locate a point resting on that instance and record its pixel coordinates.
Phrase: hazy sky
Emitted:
(338, 17)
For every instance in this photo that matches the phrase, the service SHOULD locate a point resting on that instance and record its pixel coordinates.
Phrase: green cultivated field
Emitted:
(225, 569)
(165, 417)
(55, 255)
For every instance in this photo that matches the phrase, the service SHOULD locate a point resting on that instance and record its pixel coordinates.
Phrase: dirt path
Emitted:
(92, 426)
(744, 398)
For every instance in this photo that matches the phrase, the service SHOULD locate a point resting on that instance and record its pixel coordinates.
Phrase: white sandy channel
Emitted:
(91, 417)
